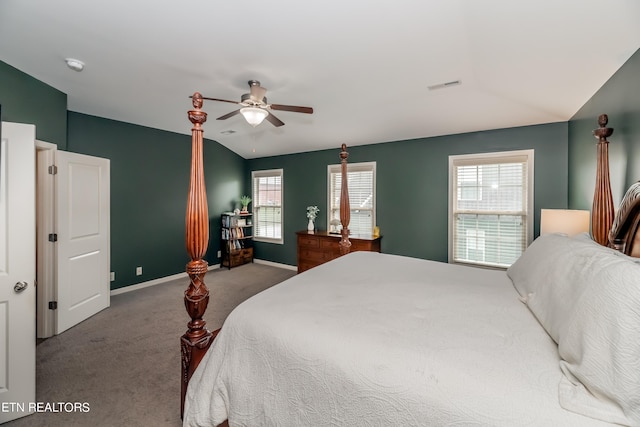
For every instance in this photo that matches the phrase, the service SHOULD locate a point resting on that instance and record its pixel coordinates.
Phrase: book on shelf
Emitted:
(235, 233)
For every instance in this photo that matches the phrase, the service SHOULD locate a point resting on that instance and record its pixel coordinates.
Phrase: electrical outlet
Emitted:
(219, 254)
(138, 271)
(113, 276)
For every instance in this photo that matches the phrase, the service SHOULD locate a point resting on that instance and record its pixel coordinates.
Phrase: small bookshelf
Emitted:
(236, 239)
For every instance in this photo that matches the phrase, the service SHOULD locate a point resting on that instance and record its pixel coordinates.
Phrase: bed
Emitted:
(379, 339)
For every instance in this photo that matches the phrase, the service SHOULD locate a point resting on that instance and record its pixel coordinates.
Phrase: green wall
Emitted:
(619, 98)
(27, 100)
(412, 191)
(149, 184)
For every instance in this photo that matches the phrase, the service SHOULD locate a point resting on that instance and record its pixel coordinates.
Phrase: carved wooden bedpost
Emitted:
(195, 342)
(345, 208)
(602, 211)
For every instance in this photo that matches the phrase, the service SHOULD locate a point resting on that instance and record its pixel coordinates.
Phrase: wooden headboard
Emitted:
(625, 231)
(617, 230)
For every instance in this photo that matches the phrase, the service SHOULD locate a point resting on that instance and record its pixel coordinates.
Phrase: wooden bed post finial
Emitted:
(602, 211)
(345, 208)
(195, 342)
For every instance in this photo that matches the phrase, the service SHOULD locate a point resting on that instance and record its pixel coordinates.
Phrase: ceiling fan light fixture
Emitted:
(254, 115)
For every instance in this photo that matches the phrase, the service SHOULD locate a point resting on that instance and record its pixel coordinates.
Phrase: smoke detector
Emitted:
(75, 64)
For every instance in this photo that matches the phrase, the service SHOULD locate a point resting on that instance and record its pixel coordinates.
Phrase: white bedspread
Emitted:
(382, 340)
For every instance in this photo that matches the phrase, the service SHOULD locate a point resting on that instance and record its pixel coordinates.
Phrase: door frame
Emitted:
(46, 252)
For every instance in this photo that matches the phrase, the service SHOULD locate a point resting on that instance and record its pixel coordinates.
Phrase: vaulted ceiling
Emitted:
(365, 67)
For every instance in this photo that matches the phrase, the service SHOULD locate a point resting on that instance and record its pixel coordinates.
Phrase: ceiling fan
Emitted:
(255, 107)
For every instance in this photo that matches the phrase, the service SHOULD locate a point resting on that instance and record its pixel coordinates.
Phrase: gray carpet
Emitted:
(124, 362)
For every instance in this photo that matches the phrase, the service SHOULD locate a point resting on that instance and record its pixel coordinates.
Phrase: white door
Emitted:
(17, 271)
(83, 218)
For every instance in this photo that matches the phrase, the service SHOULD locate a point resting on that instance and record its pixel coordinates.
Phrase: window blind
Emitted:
(267, 205)
(361, 185)
(491, 204)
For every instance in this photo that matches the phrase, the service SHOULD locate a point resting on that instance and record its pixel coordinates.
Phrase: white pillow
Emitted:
(585, 237)
(566, 271)
(587, 297)
(527, 273)
(600, 344)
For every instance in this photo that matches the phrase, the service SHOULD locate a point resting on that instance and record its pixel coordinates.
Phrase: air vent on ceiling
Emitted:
(444, 85)
(228, 132)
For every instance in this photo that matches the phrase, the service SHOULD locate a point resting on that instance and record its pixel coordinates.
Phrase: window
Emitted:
(267, 205)
(490, 207)
(362, 189)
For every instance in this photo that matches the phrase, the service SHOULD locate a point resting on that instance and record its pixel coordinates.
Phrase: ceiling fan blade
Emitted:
(274, 120)
(231, 114)
(306, 110)
(221, 100)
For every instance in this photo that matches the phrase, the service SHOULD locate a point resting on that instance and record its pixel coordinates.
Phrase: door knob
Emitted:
(20, 286)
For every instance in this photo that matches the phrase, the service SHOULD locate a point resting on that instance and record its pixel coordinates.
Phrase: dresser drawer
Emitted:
(310, 255)
(360, 246)
(308, 241)
(330, 244)
(247, 254)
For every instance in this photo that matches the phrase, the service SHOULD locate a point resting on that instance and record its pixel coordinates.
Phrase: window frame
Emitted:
(352, 167)
(492, 158)
(262, 174)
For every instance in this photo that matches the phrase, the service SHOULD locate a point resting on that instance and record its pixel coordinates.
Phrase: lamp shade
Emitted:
(564, 221)
(254, 115)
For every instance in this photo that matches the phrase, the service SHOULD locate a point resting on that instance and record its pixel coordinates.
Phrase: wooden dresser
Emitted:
(315, 248)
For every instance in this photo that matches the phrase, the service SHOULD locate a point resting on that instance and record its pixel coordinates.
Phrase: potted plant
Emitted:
(244, 201)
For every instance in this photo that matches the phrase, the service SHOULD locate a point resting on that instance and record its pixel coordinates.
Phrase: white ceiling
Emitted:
(363, 66)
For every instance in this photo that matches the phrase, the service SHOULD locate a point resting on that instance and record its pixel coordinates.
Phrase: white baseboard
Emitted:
(184, 275)
(154, 282)
(275, 264)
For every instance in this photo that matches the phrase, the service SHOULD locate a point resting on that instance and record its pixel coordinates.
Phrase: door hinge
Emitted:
(53, 170)
(53, 305)
(53, 237)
